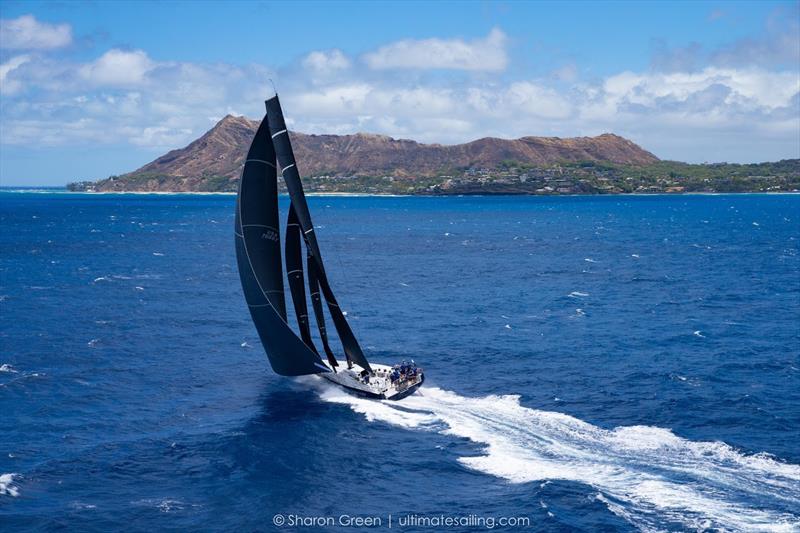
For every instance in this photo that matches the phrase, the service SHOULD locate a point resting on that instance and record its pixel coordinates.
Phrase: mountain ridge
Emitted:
(214, 160)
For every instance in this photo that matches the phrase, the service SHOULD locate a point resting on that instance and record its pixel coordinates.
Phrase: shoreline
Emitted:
(34, 190)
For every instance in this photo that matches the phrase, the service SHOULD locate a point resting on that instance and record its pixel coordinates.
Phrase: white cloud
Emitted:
(487, 54)
(324, 62)
(751, 87)
(122, 98)
(10, 86)
(118, 68)
(27, 33)
(531, 98)
(125, 97)
(160, 136)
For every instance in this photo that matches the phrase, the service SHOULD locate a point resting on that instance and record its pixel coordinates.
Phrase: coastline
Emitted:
(34, 190)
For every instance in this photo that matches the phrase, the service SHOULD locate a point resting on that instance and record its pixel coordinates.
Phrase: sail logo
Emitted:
(269, 235)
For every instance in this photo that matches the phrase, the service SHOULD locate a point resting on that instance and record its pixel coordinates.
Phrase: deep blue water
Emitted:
(593, 363)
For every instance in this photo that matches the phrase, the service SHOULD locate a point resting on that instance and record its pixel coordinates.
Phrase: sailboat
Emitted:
(258, 253)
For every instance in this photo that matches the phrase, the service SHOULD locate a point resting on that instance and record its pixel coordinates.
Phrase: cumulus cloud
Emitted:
(118, 68)
(743, 88)
(27, 33)
(122, 97)
(125, 97)
(488, 54)
(324, 62)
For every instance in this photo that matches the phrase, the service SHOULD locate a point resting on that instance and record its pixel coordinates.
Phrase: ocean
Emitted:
(615, 363)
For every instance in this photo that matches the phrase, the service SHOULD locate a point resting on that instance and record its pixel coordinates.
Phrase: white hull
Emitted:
(379, 385)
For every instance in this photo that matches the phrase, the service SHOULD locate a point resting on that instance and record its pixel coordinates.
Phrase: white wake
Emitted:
(647, 475)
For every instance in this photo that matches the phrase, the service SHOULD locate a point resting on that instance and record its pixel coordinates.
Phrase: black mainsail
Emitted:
(258, 253)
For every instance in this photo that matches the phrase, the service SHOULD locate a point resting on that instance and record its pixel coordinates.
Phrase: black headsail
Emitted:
(294, 273)
(288, 168)
(258, 254)
(316, 303)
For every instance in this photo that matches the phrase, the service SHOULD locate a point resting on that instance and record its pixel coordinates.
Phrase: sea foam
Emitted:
(7, 488)
(647, 475)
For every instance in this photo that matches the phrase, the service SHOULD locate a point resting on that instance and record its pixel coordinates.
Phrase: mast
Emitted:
(288, 169)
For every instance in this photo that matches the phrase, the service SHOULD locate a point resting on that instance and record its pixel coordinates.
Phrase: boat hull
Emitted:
(377, 388)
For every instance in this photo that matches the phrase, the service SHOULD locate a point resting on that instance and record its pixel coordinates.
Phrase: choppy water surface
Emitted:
(603, 363)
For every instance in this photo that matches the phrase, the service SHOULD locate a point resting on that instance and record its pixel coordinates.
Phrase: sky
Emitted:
(89, 89)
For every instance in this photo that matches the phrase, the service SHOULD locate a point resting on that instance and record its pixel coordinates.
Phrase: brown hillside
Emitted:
(214, 161)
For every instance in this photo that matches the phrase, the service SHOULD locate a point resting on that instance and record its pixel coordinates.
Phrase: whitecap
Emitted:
(507, 326)
(5, 367)
(158, 254)
(636, 256)
(698, 333)
(92, 343)
(577, 294)
(7, 487)
(171, 505)
(101, 278)
(165, 505)
(82, 506)
(589, 260)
